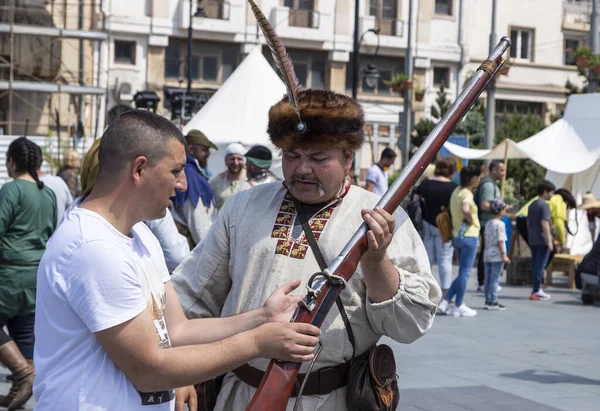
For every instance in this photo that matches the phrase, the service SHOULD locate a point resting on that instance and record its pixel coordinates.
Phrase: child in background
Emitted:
(494, 254)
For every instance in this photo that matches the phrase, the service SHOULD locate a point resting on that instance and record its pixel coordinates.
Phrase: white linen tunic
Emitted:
(249, 252)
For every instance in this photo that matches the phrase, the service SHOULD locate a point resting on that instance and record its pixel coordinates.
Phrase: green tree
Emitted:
(442, 104)
(473, 125)
(525, 173)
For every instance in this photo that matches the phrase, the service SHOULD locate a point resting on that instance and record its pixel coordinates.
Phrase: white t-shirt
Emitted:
(495, 231)
(92, 278)
(64, 199)
(379, 178)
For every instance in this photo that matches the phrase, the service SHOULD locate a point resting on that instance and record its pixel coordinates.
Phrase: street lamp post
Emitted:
(188, 92)
(408, 69)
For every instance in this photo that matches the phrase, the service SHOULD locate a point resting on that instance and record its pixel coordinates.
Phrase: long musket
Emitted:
(279, 379)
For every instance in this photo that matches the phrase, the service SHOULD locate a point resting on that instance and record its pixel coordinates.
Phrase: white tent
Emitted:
(569, 149)
(238, 111)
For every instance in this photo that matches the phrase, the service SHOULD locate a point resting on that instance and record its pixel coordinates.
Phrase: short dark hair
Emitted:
(445, 166)
(467, 173)
(388, 153)
(544, 186)
(495, 164)
(135, 133)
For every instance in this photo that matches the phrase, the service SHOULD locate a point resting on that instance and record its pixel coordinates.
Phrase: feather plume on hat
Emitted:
(306, 117)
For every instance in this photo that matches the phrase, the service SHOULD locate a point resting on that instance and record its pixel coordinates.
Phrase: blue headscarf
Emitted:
(198, 186)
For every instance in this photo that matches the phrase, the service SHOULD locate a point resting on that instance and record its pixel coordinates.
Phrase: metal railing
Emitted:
(216, 9)
(577, 11)
(304, 18)
(390, 27)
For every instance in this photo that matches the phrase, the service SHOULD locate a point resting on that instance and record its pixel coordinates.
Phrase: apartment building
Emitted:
(50, 68)
(148, 50)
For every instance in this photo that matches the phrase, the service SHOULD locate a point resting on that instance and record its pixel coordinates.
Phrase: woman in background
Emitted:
(436, 192)
(465, 233)
(27, 220)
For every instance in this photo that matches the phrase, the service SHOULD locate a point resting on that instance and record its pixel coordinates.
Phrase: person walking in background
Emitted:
(592, 208)
(64, 198)
(27, 220)
(539, 226)
(68, 172)
(230, 181)
(258, 163)
(560, 203)
(195, 209)
(494, 254)
(377, 176)
(465, 230)
(436, 193)
(487, 190)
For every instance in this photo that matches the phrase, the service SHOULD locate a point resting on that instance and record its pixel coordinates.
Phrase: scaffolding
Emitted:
(53, 65)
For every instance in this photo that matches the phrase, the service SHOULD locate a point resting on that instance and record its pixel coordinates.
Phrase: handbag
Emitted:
(444, 224)
(372, 380)
(207, 393)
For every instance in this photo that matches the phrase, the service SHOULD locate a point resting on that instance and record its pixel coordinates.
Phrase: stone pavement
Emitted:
(535, 356)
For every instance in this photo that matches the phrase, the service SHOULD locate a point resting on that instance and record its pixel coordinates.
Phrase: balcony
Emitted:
(301, 24)
(304, 18)
(215, 9)
(390, 27)
(577, 14)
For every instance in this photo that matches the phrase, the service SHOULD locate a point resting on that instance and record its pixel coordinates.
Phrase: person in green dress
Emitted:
(27, 220)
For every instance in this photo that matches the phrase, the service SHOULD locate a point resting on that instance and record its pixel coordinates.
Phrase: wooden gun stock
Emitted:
(277, 384)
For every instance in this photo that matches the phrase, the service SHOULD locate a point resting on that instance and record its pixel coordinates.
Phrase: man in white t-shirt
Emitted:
(111, 334)
(377, 176)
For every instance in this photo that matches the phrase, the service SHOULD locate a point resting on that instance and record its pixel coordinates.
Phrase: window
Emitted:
(301, 13)
(173, 60)
(309, 67)
(570, 47)
(388, 68)
(522, 40)
(125, 52)
(443, 7)
(385, 13)
(210, 62)
(441, 75)
(299, 4)
(519, 107)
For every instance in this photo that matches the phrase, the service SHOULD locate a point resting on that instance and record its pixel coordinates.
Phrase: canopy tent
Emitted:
(238, 111)
(583, 114)
(569, 150)
(557, 148)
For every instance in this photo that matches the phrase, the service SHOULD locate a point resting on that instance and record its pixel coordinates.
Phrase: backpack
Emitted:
(414, 209)
(444, 224)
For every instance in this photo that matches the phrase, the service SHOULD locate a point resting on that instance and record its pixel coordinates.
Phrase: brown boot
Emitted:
(23, 375)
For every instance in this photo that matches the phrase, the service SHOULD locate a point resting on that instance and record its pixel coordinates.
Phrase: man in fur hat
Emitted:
(257, 243)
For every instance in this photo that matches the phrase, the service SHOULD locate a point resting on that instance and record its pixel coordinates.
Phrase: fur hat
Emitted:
(331, 119)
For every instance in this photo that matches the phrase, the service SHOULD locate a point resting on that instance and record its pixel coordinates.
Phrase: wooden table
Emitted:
(565, 263)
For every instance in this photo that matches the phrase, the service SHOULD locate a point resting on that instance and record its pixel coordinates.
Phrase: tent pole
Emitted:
(505, 170)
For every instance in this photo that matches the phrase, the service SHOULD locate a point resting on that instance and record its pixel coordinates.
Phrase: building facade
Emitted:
(148, 50)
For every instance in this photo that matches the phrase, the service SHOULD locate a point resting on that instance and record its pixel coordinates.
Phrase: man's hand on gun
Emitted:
(279, 338)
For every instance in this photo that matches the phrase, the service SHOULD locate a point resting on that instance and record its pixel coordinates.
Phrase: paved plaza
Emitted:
(535, 356)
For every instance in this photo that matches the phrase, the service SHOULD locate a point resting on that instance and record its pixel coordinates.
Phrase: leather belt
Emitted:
(4, 262)
(320, 382)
